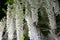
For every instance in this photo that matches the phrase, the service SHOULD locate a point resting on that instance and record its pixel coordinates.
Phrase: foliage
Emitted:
(4, 10)
(24, 36)
(9, 2)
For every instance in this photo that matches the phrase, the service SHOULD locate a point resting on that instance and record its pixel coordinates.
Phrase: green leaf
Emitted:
(4, 10)
(22, 38)
(9, 2)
